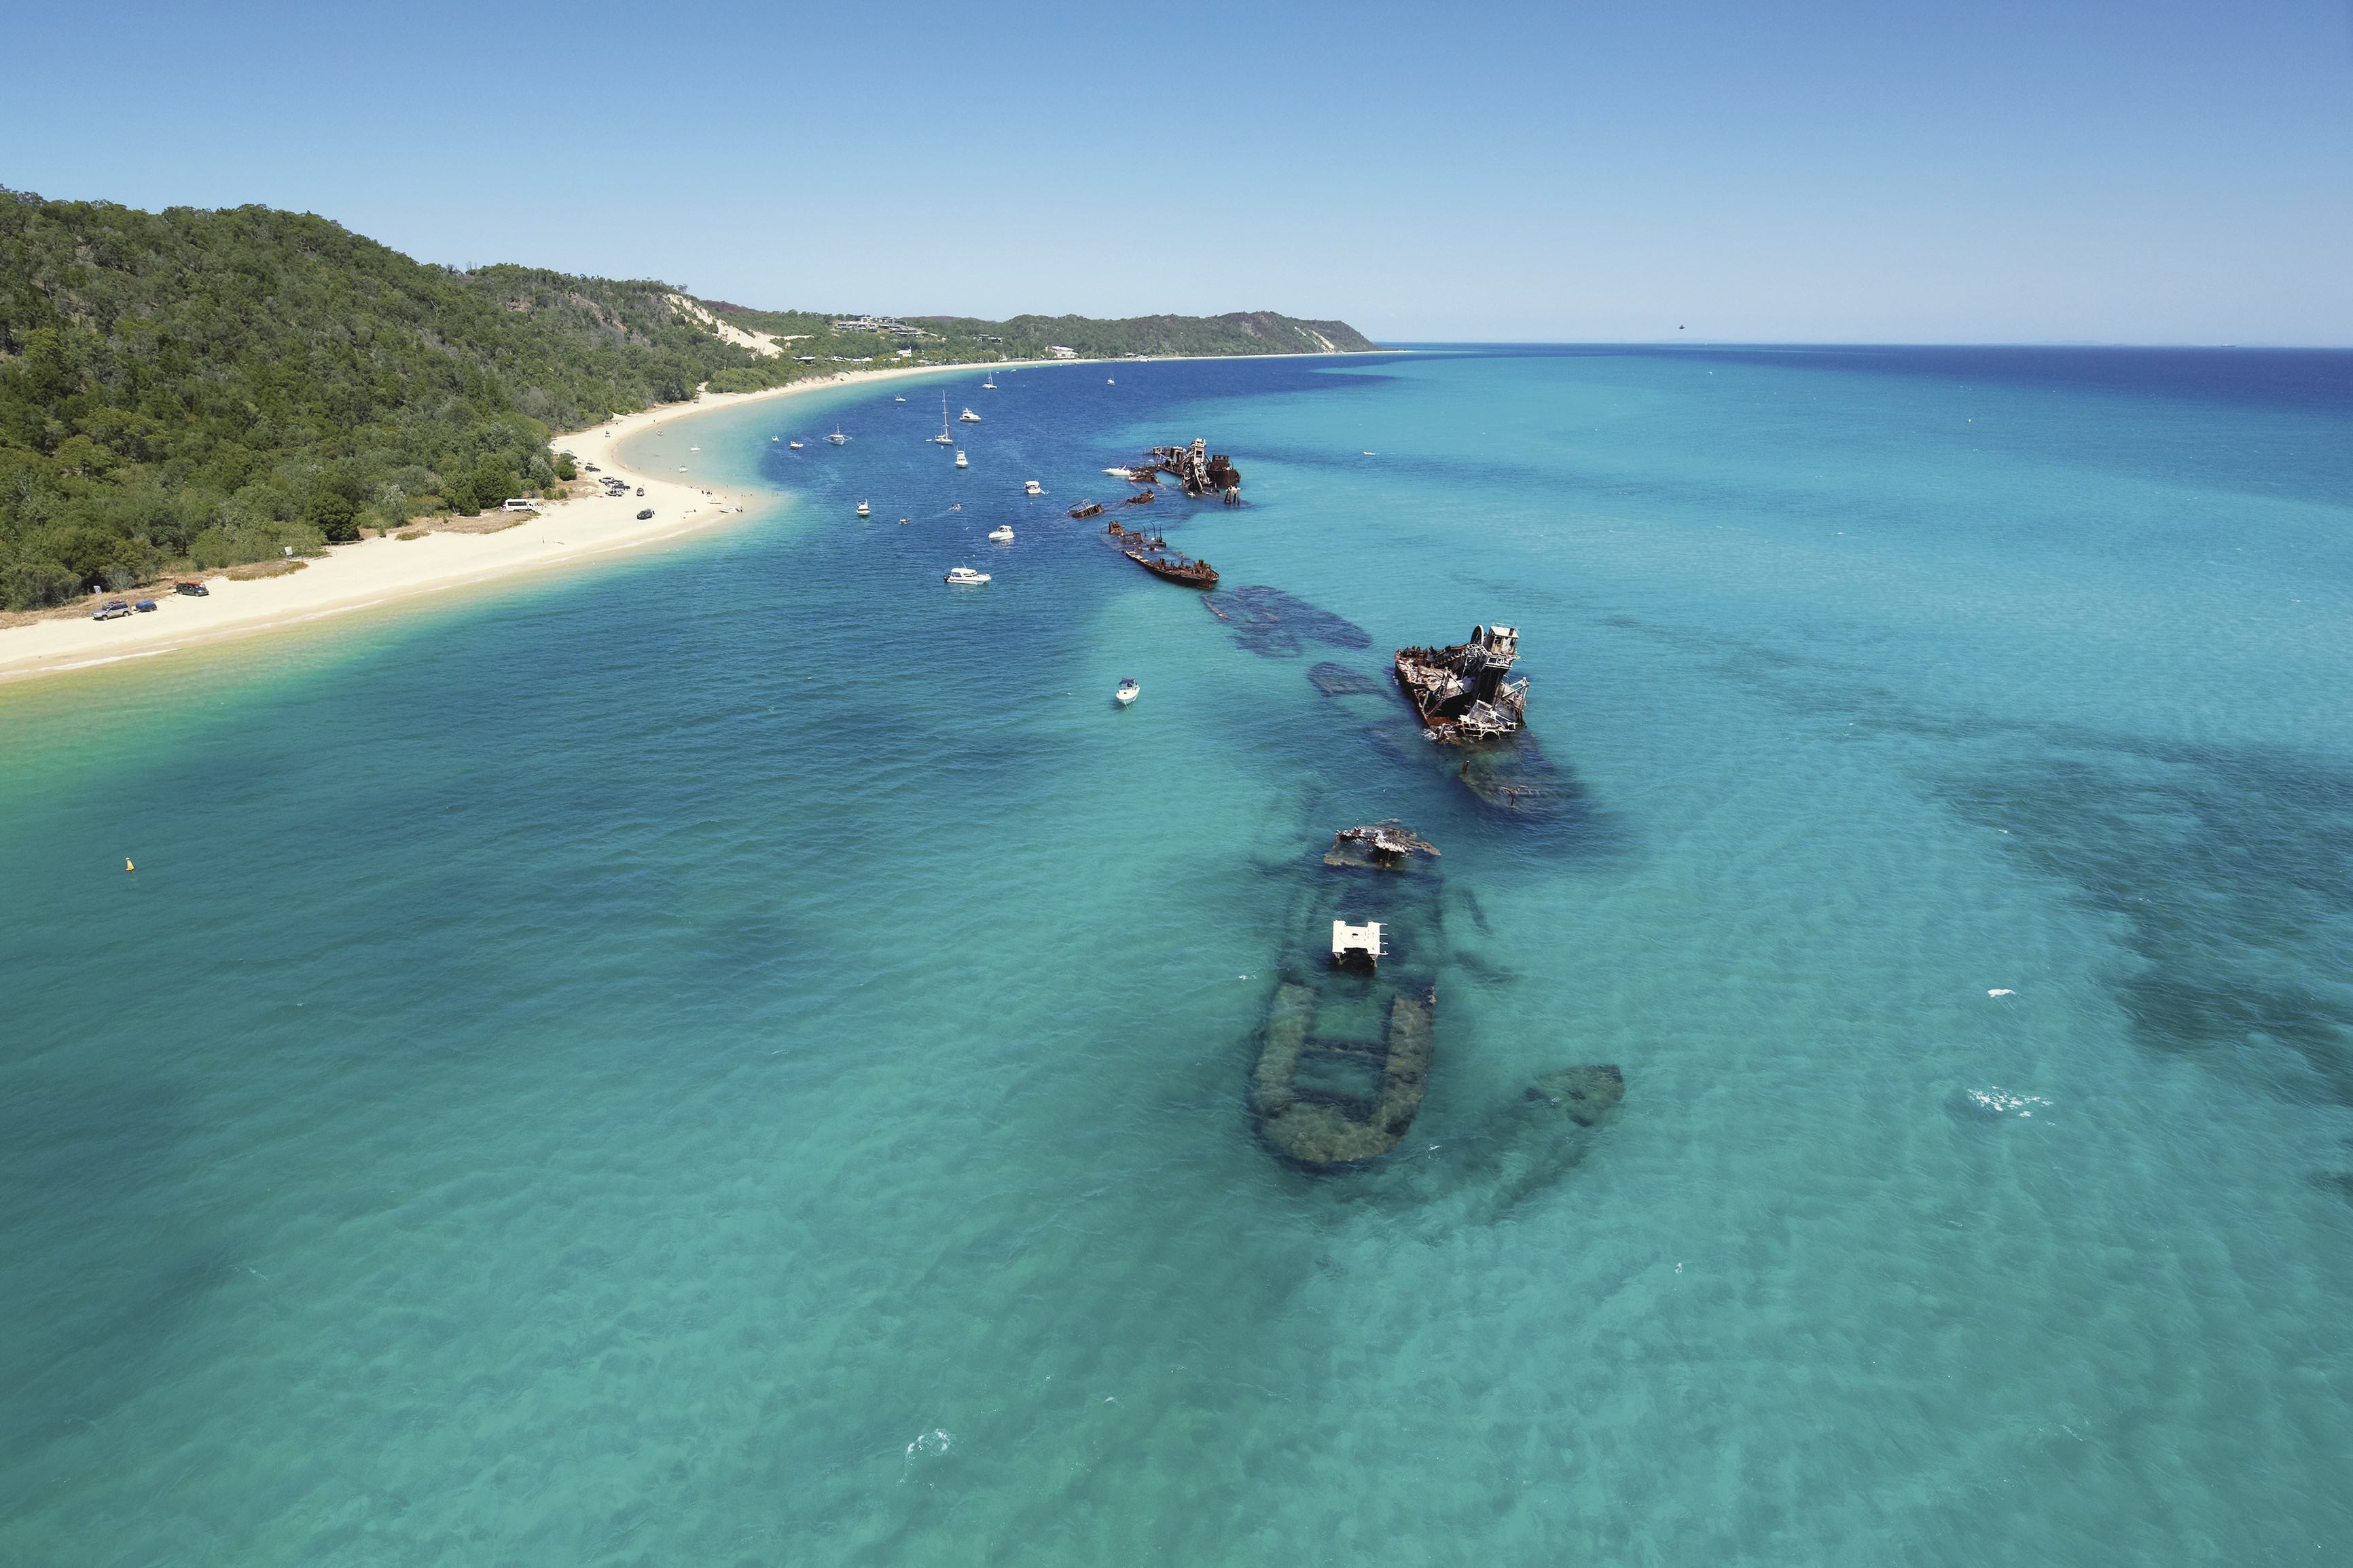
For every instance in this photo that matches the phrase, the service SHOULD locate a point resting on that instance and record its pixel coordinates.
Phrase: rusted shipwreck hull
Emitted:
(1465, 693)
(1152, 552)
(1195, 469)
(1345, 1059)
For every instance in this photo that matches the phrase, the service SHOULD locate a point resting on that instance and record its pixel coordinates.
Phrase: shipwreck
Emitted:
(1151, 551)
(1465, 693)
(1344, 1060)
(1195, 469)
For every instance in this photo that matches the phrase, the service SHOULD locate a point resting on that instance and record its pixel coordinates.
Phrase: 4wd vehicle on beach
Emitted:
(194, 590)
(645, 514)
(109, 610)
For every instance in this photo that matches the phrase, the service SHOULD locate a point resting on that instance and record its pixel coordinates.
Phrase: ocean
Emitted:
(743, 1056)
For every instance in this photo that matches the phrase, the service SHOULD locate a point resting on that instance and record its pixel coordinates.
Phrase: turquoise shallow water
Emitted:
(740, 1057)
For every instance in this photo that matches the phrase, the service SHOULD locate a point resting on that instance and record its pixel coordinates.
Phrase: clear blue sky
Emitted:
(1820, 170)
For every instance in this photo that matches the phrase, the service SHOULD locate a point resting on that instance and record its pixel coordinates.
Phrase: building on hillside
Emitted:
(1059, 352)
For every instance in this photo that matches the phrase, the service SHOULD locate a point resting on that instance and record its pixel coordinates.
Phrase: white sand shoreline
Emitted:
(375, 572)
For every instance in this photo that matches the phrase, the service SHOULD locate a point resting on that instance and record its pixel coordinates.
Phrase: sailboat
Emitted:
(837, 438)
(990, 385)
(944, 438)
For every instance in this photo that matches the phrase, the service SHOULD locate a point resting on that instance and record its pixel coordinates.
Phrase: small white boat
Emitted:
(1032, 488)
(1126, 692)
(773, 440)
(1001, 534)
(989, 385)
(837, 438)
(1111, 381)
(960, 462)
(966, 575)
(796, 446)
(862, 509)
(1121, 473)
(898, 400)
(968, 417)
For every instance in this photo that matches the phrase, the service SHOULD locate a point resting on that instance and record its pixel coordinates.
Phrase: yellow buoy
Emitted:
(127, 865)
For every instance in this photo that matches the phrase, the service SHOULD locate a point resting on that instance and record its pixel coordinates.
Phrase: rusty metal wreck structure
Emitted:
(1465, 693)
(1151, 551)
(1195, 469)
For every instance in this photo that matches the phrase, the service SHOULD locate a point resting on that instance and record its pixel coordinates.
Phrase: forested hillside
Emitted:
(214, 387)
(1243, 332)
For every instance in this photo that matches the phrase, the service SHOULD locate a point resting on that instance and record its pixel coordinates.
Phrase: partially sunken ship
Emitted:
(1195, 469)
(1152, 552)
(1465, 693)
(1345, 1056)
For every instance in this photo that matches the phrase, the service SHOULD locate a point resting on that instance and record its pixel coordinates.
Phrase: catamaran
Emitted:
(837, 438)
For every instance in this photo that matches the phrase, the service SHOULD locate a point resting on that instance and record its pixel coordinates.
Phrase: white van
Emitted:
(518, 504)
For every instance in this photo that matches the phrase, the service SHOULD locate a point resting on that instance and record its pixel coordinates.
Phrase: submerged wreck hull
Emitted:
(1345, 1058)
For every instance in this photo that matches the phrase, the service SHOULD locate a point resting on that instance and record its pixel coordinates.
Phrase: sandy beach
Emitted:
(355, 577)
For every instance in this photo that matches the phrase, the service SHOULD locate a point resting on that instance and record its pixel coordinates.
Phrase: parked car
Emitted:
(593, 468)
(143, 606)
(194, 590)
(109, 610)
(645, 514)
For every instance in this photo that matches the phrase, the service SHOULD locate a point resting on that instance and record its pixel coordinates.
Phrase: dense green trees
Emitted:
(222, 386)
(219, 385)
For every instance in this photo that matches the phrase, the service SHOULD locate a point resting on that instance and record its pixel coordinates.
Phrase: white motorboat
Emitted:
(966, 575)
(1032, 488)
(863, 509)
(1121, 473)
(968, 417)
(1001, 534)
(944, 438)
(837, 438)
(1111, 381)
(898, 400)
(776, 439)
(1127, 692)
(960, 462)
(796, 446)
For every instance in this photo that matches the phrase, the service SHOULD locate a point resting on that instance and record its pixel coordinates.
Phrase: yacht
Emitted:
(898, 400)
(863, 509)
(968, 417)
(965, 574)
(796, 446)
(944, 438)
(960, 462)
(1032, 488)
(837, 438)
(990, 385)
(1002, 533)
(1126, 692)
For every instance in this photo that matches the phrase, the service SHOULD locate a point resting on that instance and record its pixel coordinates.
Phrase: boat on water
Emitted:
(862, 509)
(960, 462)
(1001, 534)
(837, 438)
(796, 446)
(776, 439)
(1344, 1058)
(944, 438)
(898, 400)
(968, 417)
(1142, 497)
(1087, 509)
(1128, 691)
(1032, 488)
(964, 575)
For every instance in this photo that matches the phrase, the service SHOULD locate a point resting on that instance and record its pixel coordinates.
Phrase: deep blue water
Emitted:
(741, 1057)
